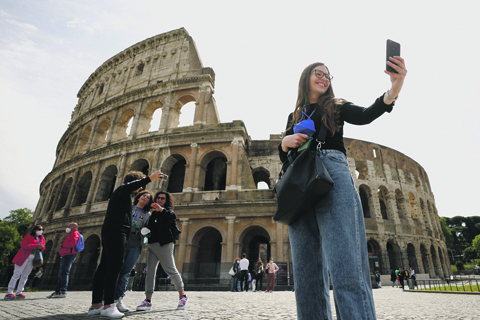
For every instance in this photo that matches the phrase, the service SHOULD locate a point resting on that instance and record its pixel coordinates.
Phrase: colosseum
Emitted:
(127, 118)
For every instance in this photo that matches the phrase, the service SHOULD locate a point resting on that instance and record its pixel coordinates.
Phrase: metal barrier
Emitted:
(453, 284)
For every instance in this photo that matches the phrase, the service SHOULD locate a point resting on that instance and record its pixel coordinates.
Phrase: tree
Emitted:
(476, 243)
(10, 240)
(446, 233)
(470, 254)
(20, 218)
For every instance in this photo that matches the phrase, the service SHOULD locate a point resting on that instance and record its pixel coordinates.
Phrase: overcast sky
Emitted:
(257, 49)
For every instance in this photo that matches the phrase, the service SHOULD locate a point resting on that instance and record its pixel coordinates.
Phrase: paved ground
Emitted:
(391, 303)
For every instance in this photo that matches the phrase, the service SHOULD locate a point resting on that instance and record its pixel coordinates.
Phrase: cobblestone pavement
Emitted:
(391, 303)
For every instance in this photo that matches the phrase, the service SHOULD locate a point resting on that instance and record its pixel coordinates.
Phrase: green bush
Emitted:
(459, 265)
(454, 269)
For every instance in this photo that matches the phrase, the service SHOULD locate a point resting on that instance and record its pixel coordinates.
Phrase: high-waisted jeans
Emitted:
(330, 238)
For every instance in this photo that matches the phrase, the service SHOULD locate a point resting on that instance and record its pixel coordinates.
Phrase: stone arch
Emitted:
(413, 206)
(174, 166)
(183, 103)
(366, 198)
(148, 114)
(255, 243)
(383, 201)
(85, 136)
(261, 174)
(101, 132)
(83, 186)
(85, 264)
(361, 170)
(121, 124)
(424, 253)
(412, 257)
(64, 194)
(206, 252)
(400, 202)
(215, 175)
(442, 263)
(141, 165)
(52, 197)
(394, 255)
(106, 183)
(433, 254)
(375, 257)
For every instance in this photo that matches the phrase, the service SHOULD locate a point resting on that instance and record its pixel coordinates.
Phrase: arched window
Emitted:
(364, 199)
(140, 165)
(216, 175)
(177, 177)
(83, 187)
(261, 177)
(64, 195)
(106, 184)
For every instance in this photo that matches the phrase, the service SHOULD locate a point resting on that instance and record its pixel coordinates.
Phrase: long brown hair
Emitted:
(327, 102)
(148, 205)
(168, 201)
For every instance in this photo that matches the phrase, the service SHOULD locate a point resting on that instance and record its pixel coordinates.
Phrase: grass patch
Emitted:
(468, 288)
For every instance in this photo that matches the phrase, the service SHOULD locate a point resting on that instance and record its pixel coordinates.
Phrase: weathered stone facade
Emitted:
(214, 170)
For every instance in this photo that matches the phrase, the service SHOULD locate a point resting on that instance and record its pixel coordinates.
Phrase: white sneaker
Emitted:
(94, 312)
(112, 312)
(121, 306)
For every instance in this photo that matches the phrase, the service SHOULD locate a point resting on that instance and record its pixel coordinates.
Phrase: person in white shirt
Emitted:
(271, 268)
(244, 273)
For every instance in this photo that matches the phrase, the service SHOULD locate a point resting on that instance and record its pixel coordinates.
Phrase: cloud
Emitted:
(26, 27)
(82, 24)
(4, 14)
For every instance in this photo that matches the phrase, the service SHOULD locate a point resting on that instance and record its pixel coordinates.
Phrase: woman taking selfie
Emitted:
(330, 238)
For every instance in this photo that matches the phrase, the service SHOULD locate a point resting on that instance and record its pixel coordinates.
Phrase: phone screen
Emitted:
(393, 49)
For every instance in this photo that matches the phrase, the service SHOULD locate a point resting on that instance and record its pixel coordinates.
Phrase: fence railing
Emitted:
(448, 285)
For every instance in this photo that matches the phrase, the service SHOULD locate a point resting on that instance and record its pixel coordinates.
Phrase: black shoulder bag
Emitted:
(304, 183)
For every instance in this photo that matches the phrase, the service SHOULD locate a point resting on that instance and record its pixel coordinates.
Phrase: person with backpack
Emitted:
(68, 252)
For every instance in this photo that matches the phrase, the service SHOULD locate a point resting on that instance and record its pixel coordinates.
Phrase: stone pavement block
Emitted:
(391, 303)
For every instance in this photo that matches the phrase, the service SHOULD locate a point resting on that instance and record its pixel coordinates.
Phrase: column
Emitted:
(182, 244)
(279, 235)
(230, 237)
(232, 170)
(112, 127)
(136, 120)
(68, 203)
(74, 152)
(92, 134)
(93, 186)
(190, 174)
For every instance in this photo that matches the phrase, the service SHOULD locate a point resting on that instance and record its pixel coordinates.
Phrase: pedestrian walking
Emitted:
(260, 272)
(23, 261)
(393, 278)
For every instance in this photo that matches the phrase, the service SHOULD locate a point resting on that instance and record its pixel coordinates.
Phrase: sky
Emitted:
(258, 49)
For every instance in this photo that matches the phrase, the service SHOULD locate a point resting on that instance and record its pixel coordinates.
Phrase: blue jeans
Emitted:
(234, 284)
(63, 272)
(330, 238)
(130, 257)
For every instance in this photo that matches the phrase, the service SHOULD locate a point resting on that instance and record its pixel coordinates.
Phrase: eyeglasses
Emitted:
(321, 74)
(161, 198)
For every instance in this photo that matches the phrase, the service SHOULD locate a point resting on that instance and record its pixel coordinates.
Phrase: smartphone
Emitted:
(393, 49)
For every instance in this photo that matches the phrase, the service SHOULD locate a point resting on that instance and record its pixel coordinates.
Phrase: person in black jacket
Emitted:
(115, 232)
(161, 242)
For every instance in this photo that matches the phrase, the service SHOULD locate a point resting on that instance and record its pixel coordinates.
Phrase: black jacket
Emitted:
(118, 219)
(160, 225)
